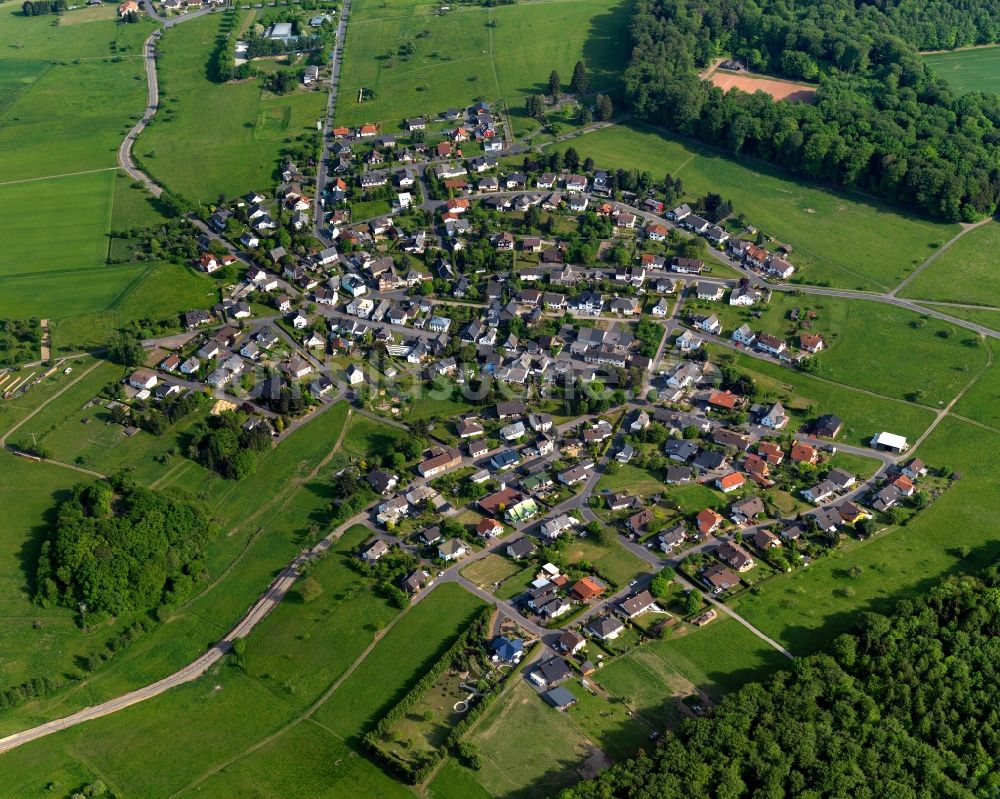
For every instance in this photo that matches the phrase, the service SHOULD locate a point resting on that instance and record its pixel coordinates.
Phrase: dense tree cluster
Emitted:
(223, 445)
(19, 341)
(907, 706)
(37, 8)
(117, 547)
(881, 121)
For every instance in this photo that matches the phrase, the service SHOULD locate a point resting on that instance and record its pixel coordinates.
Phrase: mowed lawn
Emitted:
(471, 52)
(967, 272)
(838, 238)
(973, 70)
(406, 652)
(217, 138)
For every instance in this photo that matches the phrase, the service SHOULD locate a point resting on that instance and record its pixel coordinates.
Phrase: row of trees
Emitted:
(117, 547)
(38, 8)
(904, 706)
(881, 120)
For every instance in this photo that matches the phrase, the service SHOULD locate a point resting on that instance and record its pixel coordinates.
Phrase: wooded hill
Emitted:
(118, 547)
(908, 706)
(881, 122)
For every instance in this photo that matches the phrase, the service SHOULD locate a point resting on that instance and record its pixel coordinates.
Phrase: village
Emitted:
(575, 323)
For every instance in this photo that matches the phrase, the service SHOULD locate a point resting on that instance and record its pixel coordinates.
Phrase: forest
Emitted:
(881, 122)
(906, 706)
(117, 547)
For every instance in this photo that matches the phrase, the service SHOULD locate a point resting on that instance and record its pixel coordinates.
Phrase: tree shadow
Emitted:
(36, 536)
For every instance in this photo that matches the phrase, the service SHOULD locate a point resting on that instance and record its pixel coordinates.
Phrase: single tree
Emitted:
(555, 85)
(604, 109)
(579, 83)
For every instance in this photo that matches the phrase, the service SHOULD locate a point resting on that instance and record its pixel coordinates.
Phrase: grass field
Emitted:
(56, 224)
(399, 660)
(233, 709)
(366, 436)
(982, 402)
(247, 128)
(528, 748)
(157, 291)
(70, 87)
(966, 272)
(806, 397)
(840, 239)
(950, 356)
(472, 52)
(612, 561)
(975, 69)
(281, 499)
(491, 569)
(719, 657)
(631, 478)
(987, 317)
(806, 608)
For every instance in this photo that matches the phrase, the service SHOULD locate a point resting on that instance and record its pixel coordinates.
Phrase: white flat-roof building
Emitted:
(890, 442)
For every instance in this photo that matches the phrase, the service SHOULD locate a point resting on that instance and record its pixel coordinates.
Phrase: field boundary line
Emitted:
(62, 175)
(937, 254)
(947, 408)
(305, 715)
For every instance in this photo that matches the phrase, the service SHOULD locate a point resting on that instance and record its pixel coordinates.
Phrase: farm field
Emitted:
(248, 128)
(966, 272)
(805, 398)
(500, 53)
(974, 69)
(807, 608)
(951, 355)
(398, 661)
(838, 238)
(157, 291)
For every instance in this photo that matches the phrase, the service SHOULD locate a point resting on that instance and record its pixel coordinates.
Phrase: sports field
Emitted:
(838, 238)
(975, 69)
(778, 89)
(212, 138)
(967, 272)
(472, 53)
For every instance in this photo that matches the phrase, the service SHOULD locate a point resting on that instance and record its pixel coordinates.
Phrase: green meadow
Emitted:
(951, 356)
(975, 69)
(838, 238)
(213, 138)
(472, 53)
(967, 272)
